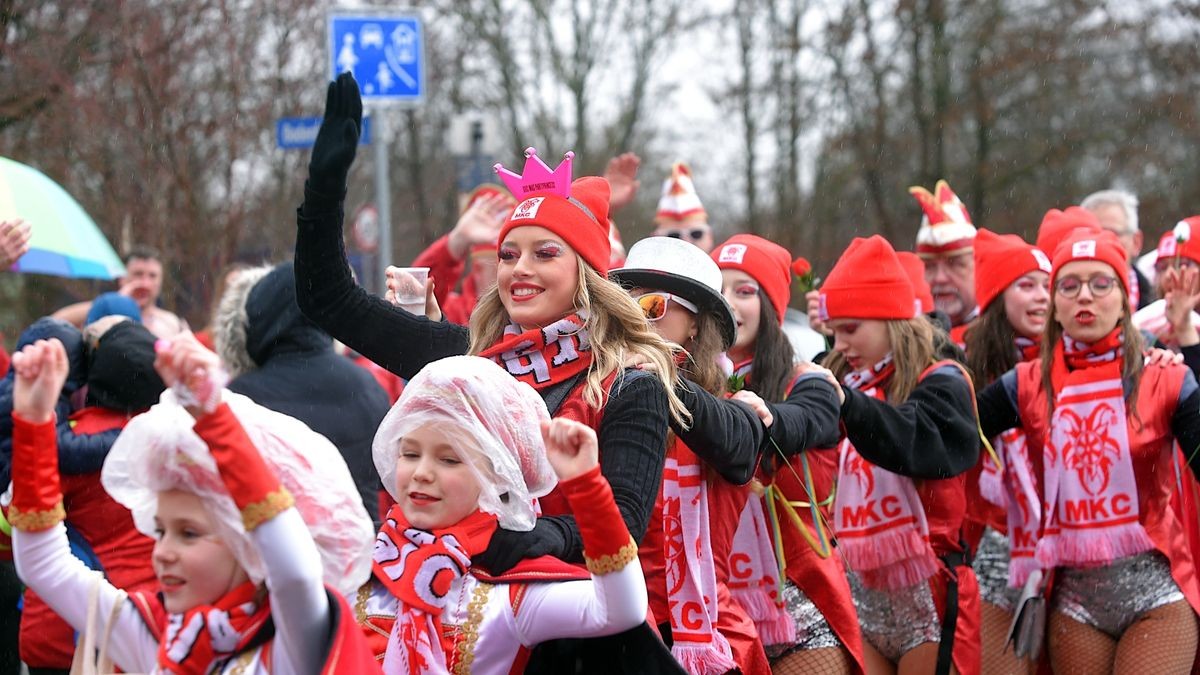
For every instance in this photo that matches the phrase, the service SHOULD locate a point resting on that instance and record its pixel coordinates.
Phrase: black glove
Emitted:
(507, 548)
(337, 139)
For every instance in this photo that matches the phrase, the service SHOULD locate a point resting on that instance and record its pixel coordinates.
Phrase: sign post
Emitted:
(386, 53)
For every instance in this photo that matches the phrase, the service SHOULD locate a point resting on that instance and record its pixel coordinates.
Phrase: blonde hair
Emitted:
(617, 329)
(912, 353)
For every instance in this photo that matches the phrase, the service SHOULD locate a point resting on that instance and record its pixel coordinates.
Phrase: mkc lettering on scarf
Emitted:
(862, 515)
(525, 358)
(688, 613)
(1096, 508)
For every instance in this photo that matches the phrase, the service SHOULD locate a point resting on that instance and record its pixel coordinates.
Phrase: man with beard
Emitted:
(946, 243)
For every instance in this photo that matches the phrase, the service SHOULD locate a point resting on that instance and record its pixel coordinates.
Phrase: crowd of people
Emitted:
(976, 457)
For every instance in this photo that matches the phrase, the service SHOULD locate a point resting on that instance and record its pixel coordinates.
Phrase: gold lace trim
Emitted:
(36, 521)
(614, 562)
(273, 504)
(465, 646)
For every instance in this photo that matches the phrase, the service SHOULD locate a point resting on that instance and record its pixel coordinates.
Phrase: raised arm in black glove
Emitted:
(337, 139)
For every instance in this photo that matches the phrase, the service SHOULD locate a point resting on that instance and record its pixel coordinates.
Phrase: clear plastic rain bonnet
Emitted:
(490, 418)
(159, 451)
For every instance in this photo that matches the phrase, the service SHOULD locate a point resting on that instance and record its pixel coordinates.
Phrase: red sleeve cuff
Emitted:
(253, 485)
(607, 545)
(37, 496)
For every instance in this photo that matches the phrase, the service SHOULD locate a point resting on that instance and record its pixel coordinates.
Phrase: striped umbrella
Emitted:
(65, 240)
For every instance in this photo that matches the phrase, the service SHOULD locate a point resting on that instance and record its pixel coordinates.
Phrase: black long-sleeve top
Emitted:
(932, 435)
(632, 433)
(808, 417)
(998, 412)
(727, 435)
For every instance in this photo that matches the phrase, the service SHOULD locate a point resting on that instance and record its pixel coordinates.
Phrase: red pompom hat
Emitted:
(1001, 259)
(914, 267)
(765, 261)
(1099, 245)
(1057, 225)
(1182, 241)
(575, 211)
(868, 282)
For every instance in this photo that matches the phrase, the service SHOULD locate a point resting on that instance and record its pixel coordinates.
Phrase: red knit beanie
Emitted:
(765, 261)
(581, 221)
(1000, 260)
(914, 267)
(1056, 225)
(868, 282)
(1099, 245)
(1182, 241)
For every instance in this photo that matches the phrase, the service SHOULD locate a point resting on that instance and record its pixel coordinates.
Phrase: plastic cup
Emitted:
(409, 285)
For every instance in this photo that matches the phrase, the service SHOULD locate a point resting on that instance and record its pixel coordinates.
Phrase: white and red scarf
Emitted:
(1090, 487)
(878, 516)
(991, 479)
(543, 357)
(419, 568)
(754, 579)
(691, 577)
(205, 635)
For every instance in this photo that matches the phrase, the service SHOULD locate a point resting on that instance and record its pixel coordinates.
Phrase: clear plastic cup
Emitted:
(408, 283)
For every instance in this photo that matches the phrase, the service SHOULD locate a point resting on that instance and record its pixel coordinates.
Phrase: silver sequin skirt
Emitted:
(812, 630)
(991, 568)
(895, 622)
(1111, 597)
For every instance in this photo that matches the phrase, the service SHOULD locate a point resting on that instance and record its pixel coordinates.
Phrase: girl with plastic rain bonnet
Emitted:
(259, 530)
(464, 451)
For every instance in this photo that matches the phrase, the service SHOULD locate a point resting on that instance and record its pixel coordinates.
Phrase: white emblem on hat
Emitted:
(527, 210)
(1043, 262)
(733, 253)
(1084, 249)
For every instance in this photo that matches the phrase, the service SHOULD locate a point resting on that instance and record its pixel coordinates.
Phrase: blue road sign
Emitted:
(301, 132)
(385, 52)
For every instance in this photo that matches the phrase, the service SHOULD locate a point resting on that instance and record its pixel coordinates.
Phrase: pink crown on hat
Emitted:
(538, 177)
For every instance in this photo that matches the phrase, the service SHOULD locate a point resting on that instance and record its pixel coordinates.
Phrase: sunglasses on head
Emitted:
(654, 305)
(693, 233)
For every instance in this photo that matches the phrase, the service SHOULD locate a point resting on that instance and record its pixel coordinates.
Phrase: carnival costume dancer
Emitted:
(710, 464)
(552, 321)
(464, 451)
(253, 513)
(1012, 282)
(1099, 434)
(812, 627)
(910, 435)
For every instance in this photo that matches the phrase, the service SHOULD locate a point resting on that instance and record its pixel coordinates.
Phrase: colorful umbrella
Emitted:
(65, 241)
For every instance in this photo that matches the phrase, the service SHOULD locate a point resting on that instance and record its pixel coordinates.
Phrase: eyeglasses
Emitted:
(654, 305)
(693, 233)
(1100, 285)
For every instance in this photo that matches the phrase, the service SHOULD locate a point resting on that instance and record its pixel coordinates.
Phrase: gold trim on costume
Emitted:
(273, 504)
(613, 562)
(465, 646)
(36, 521)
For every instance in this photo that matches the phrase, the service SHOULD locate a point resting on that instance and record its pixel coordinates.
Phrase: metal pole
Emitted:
(381, 131)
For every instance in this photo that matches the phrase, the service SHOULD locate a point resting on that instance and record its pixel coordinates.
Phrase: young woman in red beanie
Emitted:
(1094, 492)
(552, 320)
(817, 630)
(710, 464)
(910, 435)
(1012, 284)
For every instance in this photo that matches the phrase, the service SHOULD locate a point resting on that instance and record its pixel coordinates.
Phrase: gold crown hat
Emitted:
(946, 226)
(679, 202)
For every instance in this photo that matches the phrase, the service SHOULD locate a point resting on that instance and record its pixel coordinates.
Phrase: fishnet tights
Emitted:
(1162, 641)
(826, 661)
(994, 632)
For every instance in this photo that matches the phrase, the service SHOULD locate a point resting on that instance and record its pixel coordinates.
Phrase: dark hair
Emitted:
(701, 366)
(991, 345)
(141, 252)
(774, 360)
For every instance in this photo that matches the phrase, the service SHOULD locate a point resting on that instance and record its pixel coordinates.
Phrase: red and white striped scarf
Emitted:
(878, 516)
(1090, 487)
(691, 577)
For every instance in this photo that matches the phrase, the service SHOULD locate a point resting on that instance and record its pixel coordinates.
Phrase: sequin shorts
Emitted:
(991, 568)
(1110, 598)
(895, 622)
(812, 630)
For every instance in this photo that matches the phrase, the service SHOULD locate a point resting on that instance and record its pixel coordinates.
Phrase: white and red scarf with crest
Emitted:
(691, 576)
(542, 357)
(878, 516)
(419, 567)
(1011, 442)
(1091, 496)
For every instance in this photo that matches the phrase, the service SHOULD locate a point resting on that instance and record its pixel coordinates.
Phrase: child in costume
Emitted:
(466, 450)
(259, 530)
